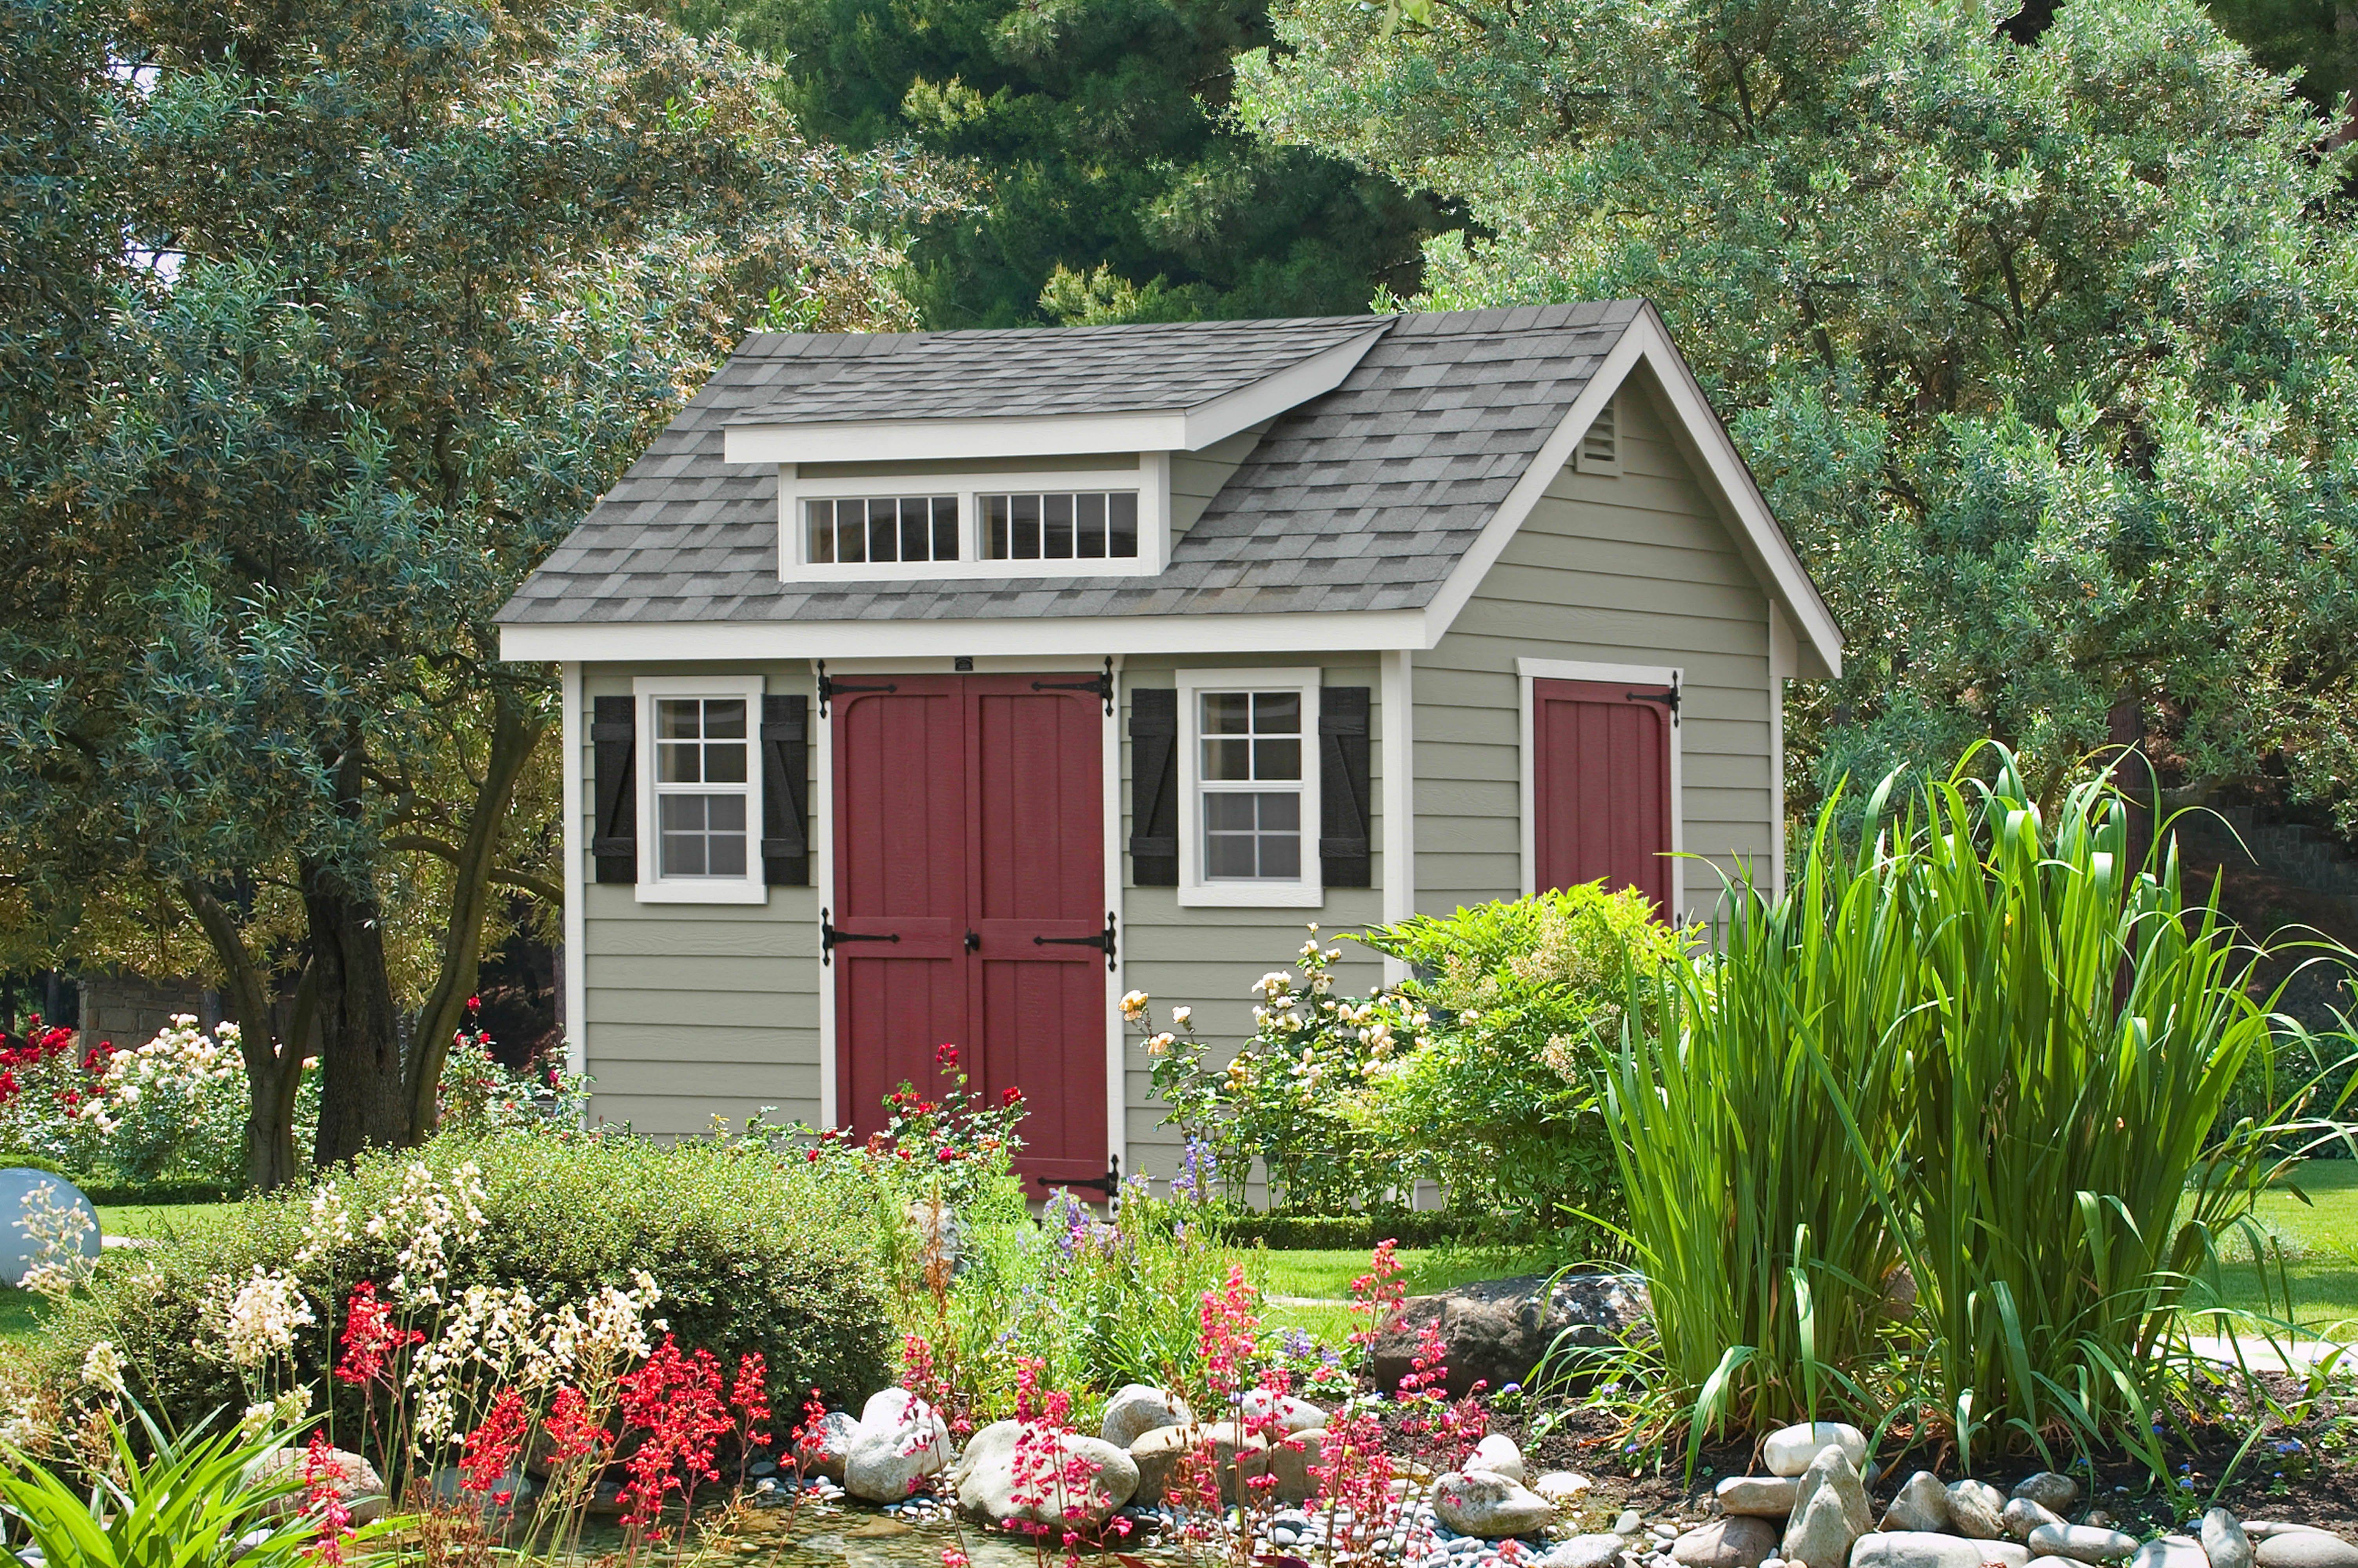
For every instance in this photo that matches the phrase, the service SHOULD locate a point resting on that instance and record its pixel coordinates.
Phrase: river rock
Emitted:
(1791, 1450)
(1496, 1331)
(1138, 1409)
(1830, 1510)
(1498, 1454)
(2090, 1543)
(1738, 1540)
(2170, 1551)
(1977, 1509)
(1290, 1460)
(2224, 1542)
(1276, 1415)
(2004, 1554)
(2023, 1515)
(1156, 1453)
(2305, 1549)
(1762, 1496)
(2050, 1490)
(1491, 1507)
(986, 1479)
(1920, 1504)
(1561, 1486)
(1914, 1548)
(358, 1486)
(1586, 1551)
(2053, 1563)
(825, 1445)
(901, 1442)
(2261, 1529)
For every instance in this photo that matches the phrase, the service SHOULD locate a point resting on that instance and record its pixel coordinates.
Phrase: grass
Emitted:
(21, 1310)
(1321, 1279)
(2321, 1247)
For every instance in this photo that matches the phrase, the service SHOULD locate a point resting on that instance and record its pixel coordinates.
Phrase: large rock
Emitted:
(2306, 1549)
(1762, 1496)
(2004, 1554)
(2023, 1515)
(1977, 1509)
(2223, 1540)
(1914, 1548)
(1157, 1455)
(358, 1486)
(1793, 1449)
(1496, 1331)
(2093, 1543)
(1138, 1409)
(826, 1445)
(2050, 1490)
(900, 1442)
(1290, 1460)
(1830, 1510)
(1275, 1415)
(1920, 1504)
(1066, 1478)
(1489, 1506)
(2170, 1551)
(1738, 1540)
(1498, 1454)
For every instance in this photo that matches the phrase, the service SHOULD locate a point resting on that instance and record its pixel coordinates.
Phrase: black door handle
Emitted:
(973, 941)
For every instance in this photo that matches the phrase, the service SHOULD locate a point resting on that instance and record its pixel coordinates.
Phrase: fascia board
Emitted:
(1165, 431)
(735, 640)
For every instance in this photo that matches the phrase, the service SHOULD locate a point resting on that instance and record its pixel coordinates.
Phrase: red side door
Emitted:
(970, 824)
(1602, 786)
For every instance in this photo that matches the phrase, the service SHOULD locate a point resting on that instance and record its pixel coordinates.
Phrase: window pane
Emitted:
(724, 718)
(851, 531)
(726, 854)
(726, 763)
(677, 763)
(994, 508)
(1280, 856)
(1281, 811)
(1056, 527)
(1227, 712)
(1123, 507)
(884, 531)
(682, 817)
(1027, 526)
(1277, 712)
(945, 532)
(1273, 759)
(682, 812)
(1227, 759)
(1229, 856)
(1089, 526)
(726, 813)
(1230, 813)
(676, 718)
(822, 530)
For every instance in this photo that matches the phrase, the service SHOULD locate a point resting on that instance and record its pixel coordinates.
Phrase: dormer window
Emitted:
(1087, 515)
(865, 529)
(1084, 525)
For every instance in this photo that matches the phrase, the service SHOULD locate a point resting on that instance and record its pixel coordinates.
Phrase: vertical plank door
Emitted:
(1601, 787)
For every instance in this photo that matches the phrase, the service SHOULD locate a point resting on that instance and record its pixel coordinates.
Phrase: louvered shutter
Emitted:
(1154, 788)
(1343, 856)
(785, 789)
(614, 742)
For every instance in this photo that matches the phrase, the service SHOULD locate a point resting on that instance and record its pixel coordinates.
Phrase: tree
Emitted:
(381, 296)
(1117, 186)
(2042, 353)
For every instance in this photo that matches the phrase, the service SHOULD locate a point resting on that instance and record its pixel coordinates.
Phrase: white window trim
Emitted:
(1151, 479)
(651, 889)
(1195, 892)
(1531, 670)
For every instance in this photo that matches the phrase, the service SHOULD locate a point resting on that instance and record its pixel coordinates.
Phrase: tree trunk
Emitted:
(360, 1102)
(273, 1070)
(2132, 773)
(515, 730)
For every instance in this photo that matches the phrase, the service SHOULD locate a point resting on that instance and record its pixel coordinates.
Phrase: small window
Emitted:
(1600, 445)
(1073, 525)
(703, 787)
(867, 530)
(1249, 774)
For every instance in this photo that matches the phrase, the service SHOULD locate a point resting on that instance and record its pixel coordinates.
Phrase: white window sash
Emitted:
(653, 886)
(1195, 890)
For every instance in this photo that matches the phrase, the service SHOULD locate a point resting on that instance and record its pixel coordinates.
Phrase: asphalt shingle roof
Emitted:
(1363, 498)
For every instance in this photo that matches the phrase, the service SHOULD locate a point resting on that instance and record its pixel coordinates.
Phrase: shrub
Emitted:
(753, 1252)
(1499, 1102)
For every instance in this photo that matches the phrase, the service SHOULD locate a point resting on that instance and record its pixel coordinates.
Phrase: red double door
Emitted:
(1602, 786)
(969, 905)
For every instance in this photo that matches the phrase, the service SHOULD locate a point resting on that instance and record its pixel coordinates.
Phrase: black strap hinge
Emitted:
(1109, 1184)
(1102, 939)
(827, 688)
(1101, 684)
(1668, 700)
(829, 936)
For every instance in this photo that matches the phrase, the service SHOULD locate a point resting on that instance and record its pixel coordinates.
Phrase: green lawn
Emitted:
(2320, 1239)
(1323, 1278)
(21, 1310)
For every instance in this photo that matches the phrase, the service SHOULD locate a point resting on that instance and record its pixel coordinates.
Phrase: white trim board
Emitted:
(577, 916)
(1529, 670)
(1117, 972)
(1398, 716)
(821, 832)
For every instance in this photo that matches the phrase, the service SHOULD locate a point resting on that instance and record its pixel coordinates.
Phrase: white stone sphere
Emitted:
(19, 1251)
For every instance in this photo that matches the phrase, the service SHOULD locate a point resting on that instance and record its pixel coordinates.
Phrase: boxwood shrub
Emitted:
(753, 1250)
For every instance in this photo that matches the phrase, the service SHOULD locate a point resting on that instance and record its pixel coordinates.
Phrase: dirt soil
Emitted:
(2305, 1472)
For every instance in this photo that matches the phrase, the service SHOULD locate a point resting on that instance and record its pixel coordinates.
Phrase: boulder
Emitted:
(1920, 1504)
(822, 1449)
(2170, 1551)
(900, 1442)
(1738, 1540)
(2090, 1543)
(1830, 1510)
(2004, 1554)
(358, 1486)
(1976, 1509)
(1489, 1506)
(1138, 1409)
(2023, 1515)
(1157, 1454)
(1561, 1486)
(2224, 1542)
(1498, 1454)
(1275, 1415)
(1762, 1496)
(1009, 1457)
(2305, 1549)
(2051, 1491)
(1585, 1552)
(1914, 1548)
(1289, 1459)
(1496, 1331)
(1791, 1450)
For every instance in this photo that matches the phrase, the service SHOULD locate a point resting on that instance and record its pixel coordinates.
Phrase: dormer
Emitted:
(1000, 455)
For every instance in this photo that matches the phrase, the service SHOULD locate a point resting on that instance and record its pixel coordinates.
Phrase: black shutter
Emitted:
(1343, 856)
(614, 734)
(785, 783)
(1154, 788)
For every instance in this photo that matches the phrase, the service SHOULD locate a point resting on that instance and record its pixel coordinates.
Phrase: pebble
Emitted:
(1629, 1522)
(1585, 1552)
(1914, 1548)
(2024, 1515)
(2048, 1490)
(1766, 1497)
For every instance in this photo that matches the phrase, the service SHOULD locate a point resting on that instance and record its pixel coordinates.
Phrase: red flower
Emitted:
(751, 1395)
(570, 1433)
(948, 1054)
(491, 1450)
(475, 1004)
(676, 1400)
(947, 1156)
(323, 1490)
(1010, 1095)
(9, 1086)
(370, 1335)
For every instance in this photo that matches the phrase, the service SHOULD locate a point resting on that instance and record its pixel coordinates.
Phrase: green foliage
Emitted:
(2311, 36)
(2041, 352)
(1502, 1104)
(753, 1252)
(187, 1502)
(1117, 186)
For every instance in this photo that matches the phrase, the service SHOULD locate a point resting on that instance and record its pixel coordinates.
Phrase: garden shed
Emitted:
(946, 687)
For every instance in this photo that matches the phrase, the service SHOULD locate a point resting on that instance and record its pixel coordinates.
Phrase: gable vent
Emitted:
(1600, 448)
